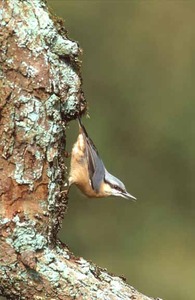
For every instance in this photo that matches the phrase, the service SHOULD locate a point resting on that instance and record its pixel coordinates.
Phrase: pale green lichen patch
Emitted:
(48, 272)
(64, 47)
(25, 237)
(54, 267)
(46, 87)
(33, 116)
(51, 266)
(62, 252)
(23, 98)
(31, 120)
(38, 23)
(4, 221)
(28, 70)
(85, 265)
(105, 276)
(18, 174)
(70, 106)
(53, 107)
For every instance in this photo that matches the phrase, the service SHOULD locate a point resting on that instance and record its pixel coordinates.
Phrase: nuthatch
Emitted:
(88, 172)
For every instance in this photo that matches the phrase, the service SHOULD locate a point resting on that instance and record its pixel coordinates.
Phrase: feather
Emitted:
(95, 164)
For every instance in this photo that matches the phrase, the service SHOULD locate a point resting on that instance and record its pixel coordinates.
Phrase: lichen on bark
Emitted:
(38, 88)
(40, 91)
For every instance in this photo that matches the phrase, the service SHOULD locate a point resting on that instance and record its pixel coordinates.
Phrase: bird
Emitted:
(88, 173)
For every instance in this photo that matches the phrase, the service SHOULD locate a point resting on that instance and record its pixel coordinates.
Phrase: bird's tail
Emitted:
(81, 126)
(79, 121)
(84, 132)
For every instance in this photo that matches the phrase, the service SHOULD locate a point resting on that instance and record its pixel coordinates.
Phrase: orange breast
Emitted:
(79, 174)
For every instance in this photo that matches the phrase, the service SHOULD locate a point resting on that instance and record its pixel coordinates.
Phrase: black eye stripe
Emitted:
(116, 187)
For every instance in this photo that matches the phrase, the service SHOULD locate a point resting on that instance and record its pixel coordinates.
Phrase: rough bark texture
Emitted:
(40, 90)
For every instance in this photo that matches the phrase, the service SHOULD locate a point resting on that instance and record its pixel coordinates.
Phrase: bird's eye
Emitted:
(116, 187)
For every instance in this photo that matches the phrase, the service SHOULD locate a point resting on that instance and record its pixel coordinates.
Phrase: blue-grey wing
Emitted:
(95, 164)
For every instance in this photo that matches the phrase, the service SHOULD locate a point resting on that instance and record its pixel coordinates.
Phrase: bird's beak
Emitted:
(128, 196)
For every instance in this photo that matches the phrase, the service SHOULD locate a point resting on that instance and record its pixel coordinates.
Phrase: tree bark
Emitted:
(40, 91)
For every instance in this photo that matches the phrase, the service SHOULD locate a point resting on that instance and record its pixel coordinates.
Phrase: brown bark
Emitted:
(40, 92)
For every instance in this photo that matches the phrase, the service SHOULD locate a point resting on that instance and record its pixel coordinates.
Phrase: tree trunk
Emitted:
(40, 91)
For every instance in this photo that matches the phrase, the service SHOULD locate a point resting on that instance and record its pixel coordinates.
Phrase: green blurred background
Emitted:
(138, 77)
